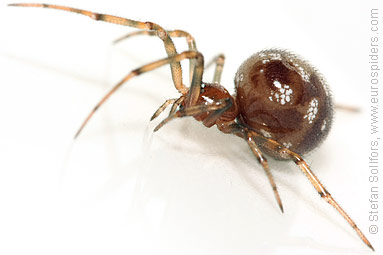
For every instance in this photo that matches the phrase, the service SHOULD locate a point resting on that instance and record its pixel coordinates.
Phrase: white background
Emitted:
(120, 189)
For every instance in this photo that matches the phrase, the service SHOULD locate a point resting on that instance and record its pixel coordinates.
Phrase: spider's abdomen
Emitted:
(284, 98)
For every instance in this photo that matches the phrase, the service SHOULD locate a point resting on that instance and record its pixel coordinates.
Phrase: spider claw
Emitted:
(78, 133)
(277, 197)
(120, 39)
(161, 124)
(158, 127)
(372, 248)
(153, 117)
(156, 114)
(162, 108)
(169, 118)
(281, 206)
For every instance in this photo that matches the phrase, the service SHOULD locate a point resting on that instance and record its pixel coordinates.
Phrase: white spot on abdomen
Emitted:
(265, 133)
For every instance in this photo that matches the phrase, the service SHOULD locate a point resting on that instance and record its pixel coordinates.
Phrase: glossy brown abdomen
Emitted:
(283, 98)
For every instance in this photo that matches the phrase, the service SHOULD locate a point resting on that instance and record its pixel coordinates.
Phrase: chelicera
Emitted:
(282, 106)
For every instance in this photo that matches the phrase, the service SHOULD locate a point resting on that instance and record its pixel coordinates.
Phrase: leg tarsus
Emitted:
(162, 108)
(175, 101)
(135, 33)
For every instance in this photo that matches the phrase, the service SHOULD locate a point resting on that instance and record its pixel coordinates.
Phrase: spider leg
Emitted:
(173, 33)
(158, 30)
(216, 109)
(175, 101)
(298, 160)
(347, 108)
(243, 132)
(219, 62)
(176, 104)
(163, 107)
(262, 160)
(135, 33)
(136, 72)
(195, 86)
(196, 65)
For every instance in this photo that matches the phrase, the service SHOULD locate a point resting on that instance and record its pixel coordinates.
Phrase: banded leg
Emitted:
(176, 104)
(262, 160)
(243, 132)
(174, 33)
(141, 70)
(158, 30)
(288, 154)
(163, 107)
(175, 101)
(219, 62)
(195, 86)
(216, 109)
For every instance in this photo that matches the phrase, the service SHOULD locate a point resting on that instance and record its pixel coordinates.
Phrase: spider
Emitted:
(282, 106)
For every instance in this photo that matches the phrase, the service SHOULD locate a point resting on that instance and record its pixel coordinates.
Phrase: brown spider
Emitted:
(282, 106)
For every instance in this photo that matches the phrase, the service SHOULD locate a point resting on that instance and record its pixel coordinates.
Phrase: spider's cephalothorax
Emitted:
(213, 92)
(284, 98)
(282, 106)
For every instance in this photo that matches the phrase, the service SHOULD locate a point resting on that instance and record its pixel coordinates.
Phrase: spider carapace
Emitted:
(282, 106)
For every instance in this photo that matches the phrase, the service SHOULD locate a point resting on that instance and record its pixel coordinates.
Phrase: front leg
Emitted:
(216, 109)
